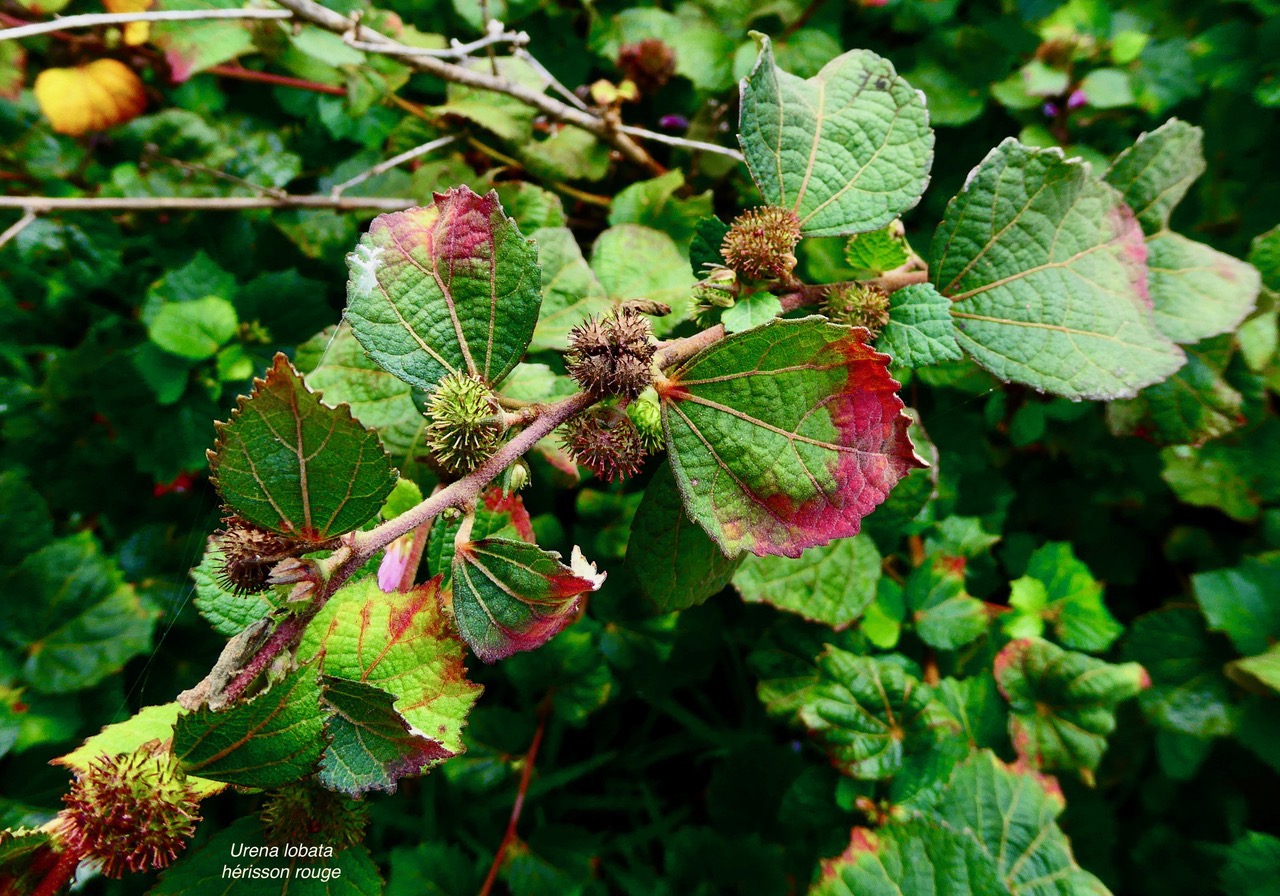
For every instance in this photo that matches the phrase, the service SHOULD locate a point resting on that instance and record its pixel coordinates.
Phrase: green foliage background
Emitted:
(661, 770)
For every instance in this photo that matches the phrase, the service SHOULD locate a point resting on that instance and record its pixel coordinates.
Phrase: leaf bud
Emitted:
(605, 441)
(130, 812)
(464, 427)
(760, 244)
(612, 355)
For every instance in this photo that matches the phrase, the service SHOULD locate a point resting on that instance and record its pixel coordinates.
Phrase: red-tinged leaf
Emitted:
(399, 643)
(288, 463)
(507, 596)
(452, 287)
(499, 516)
(784, 437)
(371, 745)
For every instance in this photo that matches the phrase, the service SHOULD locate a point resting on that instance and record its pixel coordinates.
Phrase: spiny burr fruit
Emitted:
(464, 427)
(605, 441)
(249, 553)
(612, 355)
(859, 305)
(760, 244)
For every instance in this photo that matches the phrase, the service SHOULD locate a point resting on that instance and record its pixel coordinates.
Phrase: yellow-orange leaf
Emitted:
(135, 33)
(91, 97)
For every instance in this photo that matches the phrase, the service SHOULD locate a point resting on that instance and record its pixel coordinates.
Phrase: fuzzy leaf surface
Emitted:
(831, 584)
(918, 858)
(674, 562)
(786, 436)
(401, 644)
(920, 331)
(273, 740)
(1062, 704)
(371, 746)
(1191, 407)
(1046, 269)
(1156, 172)
(870, 714)
(451, 287)
(847, 150)
(286, 462)
(1198, 291)
(507, 596)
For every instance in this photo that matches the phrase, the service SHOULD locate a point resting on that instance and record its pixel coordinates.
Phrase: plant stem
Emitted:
(283, 638)
(249, 74)
(526, 776)
(889, 281)
(682, 350)
(28, 218)
(92, 20)
(59, 875)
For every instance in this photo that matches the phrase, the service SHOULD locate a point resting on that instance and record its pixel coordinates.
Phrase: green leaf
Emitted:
(920, 331)
(871, 715)
(674, 562)
(946, 616)
(708, 237)
(871, 254)
(1108, 88)
(191, 47)
(508, 596)
(447, 288)
(507, 117)
(72, 618)
(914, 859)
(195, 329)
(1259, 672)
(337, 367)
(1063, 704)
(1189, 693)
(1235, 474)
(371, 746)
(635, 262)
(288, 463)
(848, 150)
(655, 203)
(1251, 862)
(1155, 173)
(350, 872)
(1197, 291)
(750, 312)
(273, 740)
(1045, 267)
(401, 644)
(497, 515)
(570, 291)
(228, 612)
(1194, 405)
(1242, 602)
(1068, 599)
(1264, 254)
(1011, 812)
(784, 437)
(832, 584)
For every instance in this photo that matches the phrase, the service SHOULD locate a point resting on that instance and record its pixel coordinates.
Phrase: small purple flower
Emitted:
(1077, 99)
(673, 122)
(1050, 110)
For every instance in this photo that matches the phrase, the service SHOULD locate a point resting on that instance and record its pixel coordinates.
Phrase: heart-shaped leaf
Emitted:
(399, 643)
(508, 596)
(452, 287)
(288, 463)
(1062, 704)
(371, 746)
(1045, 266)
(870, 713)
(786, 436)
(848, 150)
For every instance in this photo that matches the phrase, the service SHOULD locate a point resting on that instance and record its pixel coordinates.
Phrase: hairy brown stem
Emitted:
(329, 19)
(59, 875)
(889, 281)
(526, 776)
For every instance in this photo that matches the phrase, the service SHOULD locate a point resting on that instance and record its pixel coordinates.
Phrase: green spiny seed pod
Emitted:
(612, 355)
(605, 441)
(465, 425)
(859, 305)
(309, 814)
(248, 555)
(760, 244)
(130, 812)
(646, 414)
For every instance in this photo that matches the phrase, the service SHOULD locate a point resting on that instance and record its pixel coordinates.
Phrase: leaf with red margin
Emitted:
(371, 745)
(914, 859)
(288, 463)
(498, 516)
(784, 437)
(1062, 704)
(399, 643)
(452, 287)
(192, 47)
(507, 596)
